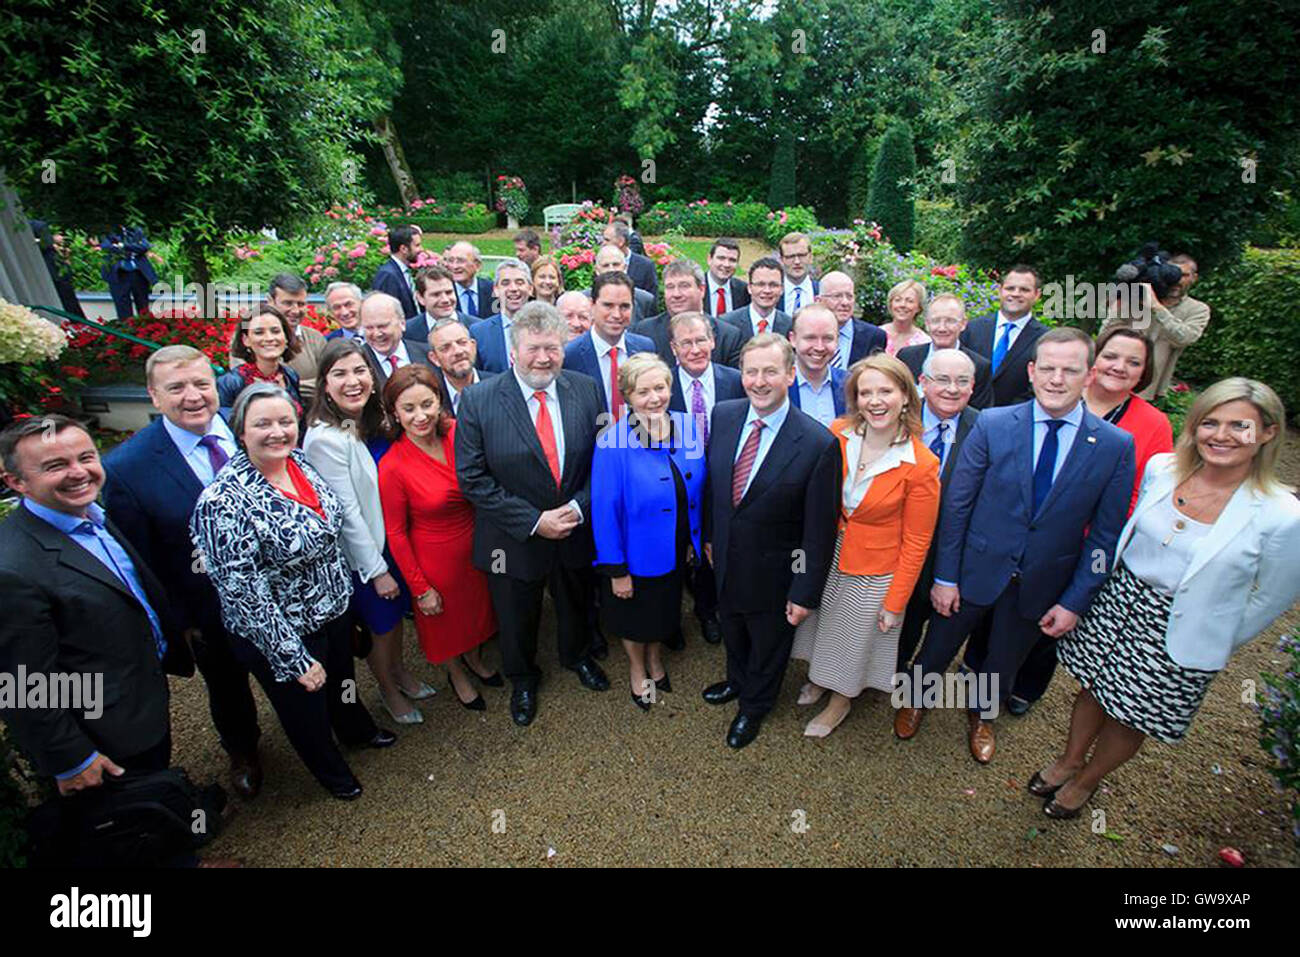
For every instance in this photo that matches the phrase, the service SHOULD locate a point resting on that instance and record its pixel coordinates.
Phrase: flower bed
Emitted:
(1279, 726)
(704, 218)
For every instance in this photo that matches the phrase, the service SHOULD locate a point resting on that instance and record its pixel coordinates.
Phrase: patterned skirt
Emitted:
(845, 649)
(1117, 652)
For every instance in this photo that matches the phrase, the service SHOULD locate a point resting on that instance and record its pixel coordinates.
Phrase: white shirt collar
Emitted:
(755, 318)
(400, 352)
(527, 390)
(186, 441)
(801, 380)
(603, 347)
(473, 380)
(895, 455)
(1018, 323)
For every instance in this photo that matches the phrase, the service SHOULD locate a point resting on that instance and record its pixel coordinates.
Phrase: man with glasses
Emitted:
(800, 288)
(473, 293)
(945, 320)
(683, 293)
(762, 314)
(857, 339)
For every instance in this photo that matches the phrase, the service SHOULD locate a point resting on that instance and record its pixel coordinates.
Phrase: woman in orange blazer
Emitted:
(890, 501)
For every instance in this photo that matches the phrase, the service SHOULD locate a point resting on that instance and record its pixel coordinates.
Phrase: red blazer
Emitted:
(1151, 433)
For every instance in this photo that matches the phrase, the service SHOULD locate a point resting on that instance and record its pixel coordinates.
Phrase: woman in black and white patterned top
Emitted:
(268, 532)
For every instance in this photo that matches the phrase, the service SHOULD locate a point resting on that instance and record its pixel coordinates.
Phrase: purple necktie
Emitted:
(697, 410)
(217, 456)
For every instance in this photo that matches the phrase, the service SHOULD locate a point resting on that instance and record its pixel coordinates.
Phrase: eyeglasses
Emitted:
(943, 382)
(841, 296)
(765, 285)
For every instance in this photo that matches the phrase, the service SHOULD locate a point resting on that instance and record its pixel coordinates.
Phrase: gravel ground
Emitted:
(596, 782)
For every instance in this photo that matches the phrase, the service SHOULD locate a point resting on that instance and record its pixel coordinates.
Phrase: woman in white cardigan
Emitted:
(1206, 562)
(344, 443)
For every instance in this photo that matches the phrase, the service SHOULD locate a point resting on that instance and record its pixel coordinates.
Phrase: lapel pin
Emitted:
(1092, 439)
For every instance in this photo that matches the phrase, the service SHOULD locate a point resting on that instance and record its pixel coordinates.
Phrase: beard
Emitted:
(538, 380)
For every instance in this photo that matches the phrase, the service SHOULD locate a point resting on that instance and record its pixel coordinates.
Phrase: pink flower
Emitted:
(378, 231)
(319, 259)
(357, 252)
(331, 271)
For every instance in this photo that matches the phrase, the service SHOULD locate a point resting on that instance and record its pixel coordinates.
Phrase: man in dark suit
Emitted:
(762, 314)
(1007, 337)
(599, 353)
(382, 325)
(435, 291)
(396, 275)
(610, 258)
(1027, 533)
(524, 441)
(818, 388)
(857, 339)
(947, 382)
(452, 350)
(473, 292)
(945, 320)
(641, 270)
(699, 384)
(81, 603)
(725, 293)
(800, 288)
(343, 303)
(127, 270)
(770, 514)
(514, 286)
(152, 481)
(684, 292)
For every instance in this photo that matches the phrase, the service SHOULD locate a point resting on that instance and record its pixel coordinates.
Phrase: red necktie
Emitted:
(615, 399)
(722, 303)
(740, 474)
(762, 326)
(546, 435)
(392, 364)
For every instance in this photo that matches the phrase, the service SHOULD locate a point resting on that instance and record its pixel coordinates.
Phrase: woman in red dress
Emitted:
(430, 529)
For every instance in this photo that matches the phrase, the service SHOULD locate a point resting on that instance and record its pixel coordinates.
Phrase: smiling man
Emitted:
(762, 313)
(818, 388)
(725, 293)
(384, 328)
(684, 293)
(514, 286)
(945, 321)
(608, 343)
(1006, 338)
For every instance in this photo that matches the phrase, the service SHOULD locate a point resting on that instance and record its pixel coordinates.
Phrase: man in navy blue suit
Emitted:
(343, 303)
(435, 291)
(945, 321)
(857, 339)
(1006, 338)
(770, 515)
(396, 276)
(818, 387)
(800, 287)
(514, 287)
(473, 292)
(700, 383)
(152, 481)
(1027, 530)
(639, 268)
(684, 292)
(608, 343)
(762, 314)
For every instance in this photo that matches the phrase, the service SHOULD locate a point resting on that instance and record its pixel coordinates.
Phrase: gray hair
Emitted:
(685, 267)
(444, 323)
(351, 287)
(394, 306)
(621, 230)
(928, 364)
(943, 297)
(473, 250)
(581, 293)
(538, 317)
(250, 394)
(686, 318)
(512, 263)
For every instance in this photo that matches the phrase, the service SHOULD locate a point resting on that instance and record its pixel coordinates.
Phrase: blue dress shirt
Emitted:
(817, 402)
(1064, 435)
(195, 456)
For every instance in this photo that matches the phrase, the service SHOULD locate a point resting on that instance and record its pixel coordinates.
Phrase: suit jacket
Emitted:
(230, 384)
(868, 338)
(739, 319)
(502, 470)
(66, 612)
(727, 339)
(580, 356)
(837, 391)
(345, 462)
(817, 287)
(493, 350)
(389, 278)
(444, 391)
(1010, 383)
(776, 545)
(726, 386)
(643, 274)
(739, 297)
(981, 397)
(483, 292)
(418, 328)
(1063, 553)
(417, 351)
(965, 422)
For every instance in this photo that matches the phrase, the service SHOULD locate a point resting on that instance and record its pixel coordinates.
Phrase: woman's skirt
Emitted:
(380, 615)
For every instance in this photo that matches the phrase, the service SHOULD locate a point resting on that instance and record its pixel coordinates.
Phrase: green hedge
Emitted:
(475, 223)
(1254, 325)
(938, 230)
(705, 218)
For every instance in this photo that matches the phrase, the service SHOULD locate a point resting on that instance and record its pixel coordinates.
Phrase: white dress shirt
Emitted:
(706, 386)
(195, 455)
(1064, 436)
(602, 359)
(557, 424)
(403, 358)
(754, 318)
(856, 487)
(806, 294)
(712, 299)
(1017, 327)
(772, 423)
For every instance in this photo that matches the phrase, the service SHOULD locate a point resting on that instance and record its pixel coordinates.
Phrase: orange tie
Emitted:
(546, 435)
(615, 399)
(762, 326)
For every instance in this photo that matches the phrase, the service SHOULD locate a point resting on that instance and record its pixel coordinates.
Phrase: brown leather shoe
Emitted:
(982, 744)
(246, 775)
(907, 721)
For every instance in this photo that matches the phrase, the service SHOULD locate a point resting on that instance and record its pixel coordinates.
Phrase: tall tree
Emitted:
(889, 201)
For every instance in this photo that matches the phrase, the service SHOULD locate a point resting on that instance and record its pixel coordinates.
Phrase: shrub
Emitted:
(781, 189)
(701, 217)
(453, 187)
(1254, 324)
(938, 230)
(889, 201)
(1279, 727)
(512, 196)
(796, 219)
(1175, 403)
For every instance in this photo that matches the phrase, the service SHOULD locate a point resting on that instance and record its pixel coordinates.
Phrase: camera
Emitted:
(1151, 266)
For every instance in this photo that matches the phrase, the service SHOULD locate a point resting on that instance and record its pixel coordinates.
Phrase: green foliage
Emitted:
(1071, 158)
(1279, 727)
(781, 188)
(1175, 403)
(701, 217)
(1254, 324)
(13, 801)
(889, 201)
(863, 162)
(468, 217)
(796, 219)
(938, 229)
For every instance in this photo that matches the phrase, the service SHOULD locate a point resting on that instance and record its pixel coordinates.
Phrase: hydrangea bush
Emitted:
(1279, 726)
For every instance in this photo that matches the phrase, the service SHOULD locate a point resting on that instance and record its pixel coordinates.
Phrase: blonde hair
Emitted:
(170, 355)
(636, 366)
(901, 287)
(910, 425)
(1263, 470)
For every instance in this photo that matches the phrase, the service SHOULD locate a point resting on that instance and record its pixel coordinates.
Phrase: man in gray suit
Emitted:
(383, 324)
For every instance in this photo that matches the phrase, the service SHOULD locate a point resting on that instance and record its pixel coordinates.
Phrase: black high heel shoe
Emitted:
(493, 680)
(664, 683)
(1040, 788)
(1059, 813)
(478, 704)
(640, 701)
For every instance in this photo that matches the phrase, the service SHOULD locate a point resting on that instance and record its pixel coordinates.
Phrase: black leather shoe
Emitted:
(1040, 788)
(523, 706)
(478, 704)
(382, 739)
(349, 793)
(1018, 706)
(663, 684)
(1060, 813)
(591, 675)
(246, 775)
(640, 701)
(743, 730)
(712, 631)
(721, 693)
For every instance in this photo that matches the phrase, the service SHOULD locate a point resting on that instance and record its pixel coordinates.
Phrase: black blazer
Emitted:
(739, 296)
(389, 278)
(727, 339)
(642, 272)
(867, 339)
(417, 351)
(444, 393)
(503, 472)
(965, 422)
(66, 612)
(1010, 383)
(981, 397)
(739, 320)
(777, 544)
(418, 328)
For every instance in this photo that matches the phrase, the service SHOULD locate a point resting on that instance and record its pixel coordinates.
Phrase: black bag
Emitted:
(140, 819)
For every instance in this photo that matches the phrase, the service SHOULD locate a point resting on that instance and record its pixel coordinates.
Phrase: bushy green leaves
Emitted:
(889, 200)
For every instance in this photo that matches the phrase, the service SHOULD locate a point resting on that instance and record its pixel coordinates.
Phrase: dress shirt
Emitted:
(403, 358)
(772, 423)
(754, 319)
(930, 421)
(1017, 327)
(351, 333)
(462, 303)
(455, 393)
(817, 401)
(1163, 544)
(1064, 435)
(706, 386)
(557, 424)
(713, 287)
(856, 486)
(806, 294)
(195, 455)
(845, 347)
(602, 359)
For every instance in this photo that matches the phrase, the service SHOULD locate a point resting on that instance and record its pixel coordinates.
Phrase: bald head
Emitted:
(610, 258)
(837, 294)
(575, 307)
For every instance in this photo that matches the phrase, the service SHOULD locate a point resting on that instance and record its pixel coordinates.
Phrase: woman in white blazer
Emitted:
(1206, 562)
(345, 443)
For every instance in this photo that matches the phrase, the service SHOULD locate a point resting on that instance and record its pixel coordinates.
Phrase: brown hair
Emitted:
(240, 351)
(765, 339)
(410, 375)
(1065, 334)
(20, 429)
(1129, 333)
(909, 421)
(428, 274)
(324, 409)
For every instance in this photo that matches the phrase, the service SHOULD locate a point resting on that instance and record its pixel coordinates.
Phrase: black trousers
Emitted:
(230, 697)
(758, 650)
(309, 717)
(918, 612)
(518, 605)
(703, 586)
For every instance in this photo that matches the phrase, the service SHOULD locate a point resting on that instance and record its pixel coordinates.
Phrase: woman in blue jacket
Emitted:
(647, 480)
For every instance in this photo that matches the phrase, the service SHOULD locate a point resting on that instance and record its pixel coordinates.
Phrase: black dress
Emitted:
(654, 611)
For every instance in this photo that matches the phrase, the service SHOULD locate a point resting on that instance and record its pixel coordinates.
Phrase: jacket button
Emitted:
(1178, 614)
(688, 474)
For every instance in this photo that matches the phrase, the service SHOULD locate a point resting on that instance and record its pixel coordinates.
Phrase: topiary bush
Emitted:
(889, 201)
(938, 230)
(781, 189)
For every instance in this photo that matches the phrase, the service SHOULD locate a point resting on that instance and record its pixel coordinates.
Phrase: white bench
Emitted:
(560, 214)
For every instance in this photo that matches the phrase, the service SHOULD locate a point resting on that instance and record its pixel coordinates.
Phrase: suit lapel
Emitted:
(777, 458)
(571, 422)
(1024, 432)
(1081, 451)
(169, 460)
(964, 424)
(1239, 512)
(517, 410)
(1018, 348)
(70, 554)
(678, 402)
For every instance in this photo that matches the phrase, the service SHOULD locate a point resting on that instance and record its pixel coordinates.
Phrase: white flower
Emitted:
(25, 337)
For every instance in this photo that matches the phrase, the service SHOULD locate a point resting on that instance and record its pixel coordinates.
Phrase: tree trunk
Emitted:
(397, 164)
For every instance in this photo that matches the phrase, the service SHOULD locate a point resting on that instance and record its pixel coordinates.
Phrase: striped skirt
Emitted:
(841, 641)
(1117, 653)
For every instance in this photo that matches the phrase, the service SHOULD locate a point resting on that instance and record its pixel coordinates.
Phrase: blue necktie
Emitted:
(937, 445)
(1046, 464)
(471, 307)
(1000, 350)
(798, 299)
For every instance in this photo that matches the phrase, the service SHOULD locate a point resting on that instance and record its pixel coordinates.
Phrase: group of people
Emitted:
(868, 499)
